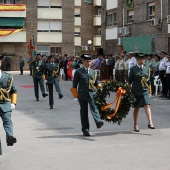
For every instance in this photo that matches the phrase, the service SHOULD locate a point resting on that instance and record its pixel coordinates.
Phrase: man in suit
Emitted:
(52, 72)
(21, 65)
(65, 66)
(38, 76)
(103, 68)
(86, 80)
(8, 99)
(111, 63)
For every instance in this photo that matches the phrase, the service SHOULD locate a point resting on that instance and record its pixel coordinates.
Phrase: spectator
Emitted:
(21, 65)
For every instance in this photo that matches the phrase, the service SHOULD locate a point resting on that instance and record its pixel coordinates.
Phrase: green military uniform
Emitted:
(8, 95)
(157, 68)
(52, 77)
(151, 64)
(126, 68)
(103, 69)
(86, 91)
(38, 71)
(111, 63)
(140, 91)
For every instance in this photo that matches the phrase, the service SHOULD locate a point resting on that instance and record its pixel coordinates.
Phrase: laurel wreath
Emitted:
(126, 103)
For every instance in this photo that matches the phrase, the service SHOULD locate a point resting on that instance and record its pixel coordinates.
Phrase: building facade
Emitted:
(59, 27)
(137, 26)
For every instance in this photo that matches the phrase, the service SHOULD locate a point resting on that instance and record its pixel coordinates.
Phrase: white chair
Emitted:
(157, 83)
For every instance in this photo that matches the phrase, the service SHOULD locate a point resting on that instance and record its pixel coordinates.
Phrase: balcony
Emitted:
(77, 41)
(15, 37)
(77, 21)
(51, 37)
(97, 40)
(97, 20)
(97, 2)
(16, 10)
(49, 13)
(77, 3)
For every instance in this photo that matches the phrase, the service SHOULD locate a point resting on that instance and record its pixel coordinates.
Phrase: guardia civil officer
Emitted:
(8, 99)
(52, 77)
(122, 68)
(126, 66)
(140, 80)
(85, 79)
(38, 76)
(162, 74)
(117, 77)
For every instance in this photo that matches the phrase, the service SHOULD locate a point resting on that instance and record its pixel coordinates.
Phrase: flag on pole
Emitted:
(31, 52)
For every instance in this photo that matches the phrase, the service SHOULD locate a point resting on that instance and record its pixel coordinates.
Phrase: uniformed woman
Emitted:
(139, 78)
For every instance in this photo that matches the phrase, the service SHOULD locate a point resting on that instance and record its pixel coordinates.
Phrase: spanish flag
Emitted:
(13, 7)
(5, 32)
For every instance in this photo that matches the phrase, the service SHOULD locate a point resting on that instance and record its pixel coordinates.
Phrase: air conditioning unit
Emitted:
(168, 19)
(119, 42)
(84, 48)
(120, 30)
(155, 22)
(125, 31)
(92, 48)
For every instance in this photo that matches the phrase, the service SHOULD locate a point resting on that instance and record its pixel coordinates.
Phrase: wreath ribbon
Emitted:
(117, 99)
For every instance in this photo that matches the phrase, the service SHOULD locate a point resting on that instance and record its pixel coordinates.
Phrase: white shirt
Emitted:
(167, 65)
(162, 65)
(87, 69)
(132, 62)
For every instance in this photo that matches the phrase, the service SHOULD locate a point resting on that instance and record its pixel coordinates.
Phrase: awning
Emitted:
(5, 32)
(138, 44)
(11, 22)
(10, 7)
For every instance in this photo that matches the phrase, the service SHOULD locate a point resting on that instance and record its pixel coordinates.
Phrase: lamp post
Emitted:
(89, 42)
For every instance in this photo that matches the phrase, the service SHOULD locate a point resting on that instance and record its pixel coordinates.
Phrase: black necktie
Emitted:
(141, 69)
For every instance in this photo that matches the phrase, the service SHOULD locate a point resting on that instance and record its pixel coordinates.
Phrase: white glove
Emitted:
(150, 95)
(12, 106)
(45, 81)
(75, 99)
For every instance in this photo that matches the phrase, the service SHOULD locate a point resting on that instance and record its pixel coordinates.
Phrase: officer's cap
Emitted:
(139, 55)
(1, 56)
(86, 57)
(162, 52)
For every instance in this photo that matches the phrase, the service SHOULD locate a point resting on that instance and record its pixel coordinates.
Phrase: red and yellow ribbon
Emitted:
(5, 32)
(119, 94)
(13, 7)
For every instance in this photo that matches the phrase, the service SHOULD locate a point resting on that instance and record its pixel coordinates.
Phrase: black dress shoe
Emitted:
(151, 127)
(44, 95)
(60, 96)
(51, 107)
(86, 134)
(37, 99)
(11, 140)
(136, 129)
(99, 124)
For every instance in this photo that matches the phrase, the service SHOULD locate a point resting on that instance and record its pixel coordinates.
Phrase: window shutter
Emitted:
(55, 25)
(43, 25)
(44, 3)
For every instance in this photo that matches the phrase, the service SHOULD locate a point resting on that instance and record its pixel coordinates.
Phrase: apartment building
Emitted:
(137, 26)
(59, 27)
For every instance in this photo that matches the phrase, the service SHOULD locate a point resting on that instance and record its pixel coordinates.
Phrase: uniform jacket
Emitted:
(38, 69)
(4, 83)
(111, 63)
(135, 77)
(21, 63)
(103, 65)
(81, 80)
(50, 68)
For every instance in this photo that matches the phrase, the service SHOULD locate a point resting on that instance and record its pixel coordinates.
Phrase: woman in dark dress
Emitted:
(139, 78)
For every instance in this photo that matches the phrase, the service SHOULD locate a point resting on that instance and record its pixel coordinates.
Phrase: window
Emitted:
(50, 3)
(77, 12)
(151, 10)
(55, 50)
(111, 19)
(49, 26)
(130, 16)
(77, 31)
(7, 1)
(43, 50)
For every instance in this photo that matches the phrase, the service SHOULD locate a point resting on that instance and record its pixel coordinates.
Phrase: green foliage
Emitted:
(125, 104)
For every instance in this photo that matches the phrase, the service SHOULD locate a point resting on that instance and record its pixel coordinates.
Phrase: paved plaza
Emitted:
(52, 139)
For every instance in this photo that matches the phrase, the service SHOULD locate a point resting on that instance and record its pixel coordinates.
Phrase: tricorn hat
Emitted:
(1, 56)
(86, 57)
